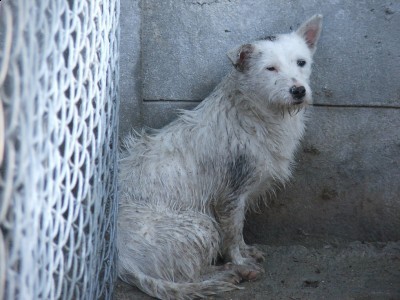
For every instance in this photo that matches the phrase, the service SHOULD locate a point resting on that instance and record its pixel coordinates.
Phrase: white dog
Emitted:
(184, 189)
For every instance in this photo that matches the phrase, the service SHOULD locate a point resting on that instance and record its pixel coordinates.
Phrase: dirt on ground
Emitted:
(316, 270)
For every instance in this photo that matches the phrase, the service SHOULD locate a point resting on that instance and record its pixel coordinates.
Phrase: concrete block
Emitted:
(161, 113)
(130, 72)
(346, 182)
(184, 45)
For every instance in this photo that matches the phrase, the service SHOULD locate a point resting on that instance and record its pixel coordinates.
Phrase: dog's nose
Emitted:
(298, 92)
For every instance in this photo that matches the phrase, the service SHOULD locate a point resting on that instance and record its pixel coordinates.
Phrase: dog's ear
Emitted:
(310, 31)
(239, 56)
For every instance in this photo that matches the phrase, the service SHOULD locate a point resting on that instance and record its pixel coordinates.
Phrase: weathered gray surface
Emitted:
(161, 113)
(184, 45)
(346, 181)
(323, 271)
(130, 72)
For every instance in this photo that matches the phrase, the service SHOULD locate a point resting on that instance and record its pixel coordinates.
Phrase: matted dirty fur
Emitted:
(184, 189)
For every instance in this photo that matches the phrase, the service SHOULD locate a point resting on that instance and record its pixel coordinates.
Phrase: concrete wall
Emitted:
(347, 182)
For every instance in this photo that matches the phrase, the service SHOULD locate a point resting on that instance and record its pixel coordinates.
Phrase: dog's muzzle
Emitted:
(298, 92)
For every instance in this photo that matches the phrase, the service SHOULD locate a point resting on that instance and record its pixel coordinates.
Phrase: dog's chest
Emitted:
(272, 154)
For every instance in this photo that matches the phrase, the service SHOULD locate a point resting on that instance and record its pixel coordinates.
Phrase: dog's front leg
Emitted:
(230, 215)
(231, 218)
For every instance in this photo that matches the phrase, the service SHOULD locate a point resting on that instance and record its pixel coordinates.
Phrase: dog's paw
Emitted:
(253, 252)
(249, 271)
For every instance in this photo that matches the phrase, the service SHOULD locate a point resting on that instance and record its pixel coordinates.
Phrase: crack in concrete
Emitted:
(210, 2)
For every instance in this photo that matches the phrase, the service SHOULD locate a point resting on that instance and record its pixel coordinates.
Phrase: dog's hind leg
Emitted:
(165, 253)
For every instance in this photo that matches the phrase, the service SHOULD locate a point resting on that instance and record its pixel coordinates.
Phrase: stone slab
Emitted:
(184, 45)
(346, 182)
(160, 113)
(130, 71)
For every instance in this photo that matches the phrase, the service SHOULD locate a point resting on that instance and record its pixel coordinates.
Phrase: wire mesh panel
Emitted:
(58, 87)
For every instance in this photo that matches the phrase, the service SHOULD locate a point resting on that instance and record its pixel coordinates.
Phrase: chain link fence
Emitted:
(59, 92)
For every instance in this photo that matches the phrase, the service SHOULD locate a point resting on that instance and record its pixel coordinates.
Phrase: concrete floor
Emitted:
(316, 269)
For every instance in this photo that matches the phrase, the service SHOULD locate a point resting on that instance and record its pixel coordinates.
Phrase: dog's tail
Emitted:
(168, 290)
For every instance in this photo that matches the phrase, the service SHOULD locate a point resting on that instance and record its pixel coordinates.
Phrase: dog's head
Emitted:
(276, 70)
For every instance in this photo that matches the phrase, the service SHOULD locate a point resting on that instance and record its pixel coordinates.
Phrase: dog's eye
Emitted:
(271, 68)
(301, 63)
